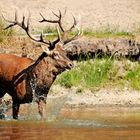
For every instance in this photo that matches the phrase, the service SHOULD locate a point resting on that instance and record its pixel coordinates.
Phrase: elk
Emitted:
(23, 78)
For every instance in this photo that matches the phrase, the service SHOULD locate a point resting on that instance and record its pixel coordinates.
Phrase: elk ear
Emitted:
(46, 50)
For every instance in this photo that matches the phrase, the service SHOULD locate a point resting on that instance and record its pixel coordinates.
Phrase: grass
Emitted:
(106, 34)
(88, 74)
(101, 32)
(107, 31)
(104, 31)
(5, 34)
(105, 72)
(133, 77)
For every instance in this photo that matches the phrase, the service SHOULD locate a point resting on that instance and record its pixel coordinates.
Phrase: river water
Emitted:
(68, 123)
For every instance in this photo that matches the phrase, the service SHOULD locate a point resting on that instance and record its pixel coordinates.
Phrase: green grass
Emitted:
(102, 32)
(87, 74)
(133, 77)
(101, 73)
(106, 32)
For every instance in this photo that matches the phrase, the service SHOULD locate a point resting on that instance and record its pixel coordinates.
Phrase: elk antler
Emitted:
(64, 32)
(25, 26)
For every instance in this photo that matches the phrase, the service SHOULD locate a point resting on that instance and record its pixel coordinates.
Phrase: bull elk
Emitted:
(23, 78)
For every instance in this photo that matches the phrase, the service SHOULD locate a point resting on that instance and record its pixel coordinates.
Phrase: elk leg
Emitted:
(41, 109)
(16, 106)
(2, 92)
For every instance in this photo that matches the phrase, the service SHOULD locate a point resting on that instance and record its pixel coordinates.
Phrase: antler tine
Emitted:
(74, 37)
(52, 44)
(43, 19)
(12, 23)
(16, 15)
(74, 24)
(64, 32)
(28, 22)
(46, 20)
(59, 16)
(23, 23)
(25, 26)
(58, 21)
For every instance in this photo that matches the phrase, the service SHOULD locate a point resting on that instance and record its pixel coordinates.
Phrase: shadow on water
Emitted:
(63, 123)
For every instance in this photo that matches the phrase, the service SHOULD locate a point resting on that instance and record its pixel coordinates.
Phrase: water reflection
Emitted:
(96, 123)
(43, 131)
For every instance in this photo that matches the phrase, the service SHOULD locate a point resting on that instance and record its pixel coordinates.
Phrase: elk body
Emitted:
(23, 78)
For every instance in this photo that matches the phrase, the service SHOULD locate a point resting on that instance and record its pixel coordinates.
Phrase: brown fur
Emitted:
(41, 76)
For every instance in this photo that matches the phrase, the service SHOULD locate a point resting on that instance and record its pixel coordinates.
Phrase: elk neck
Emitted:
(46, 72)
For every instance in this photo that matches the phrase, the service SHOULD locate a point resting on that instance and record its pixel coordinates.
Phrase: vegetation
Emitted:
(105, 72)
(5, 34)
(133, 77)
(102, 32)
(107, 31)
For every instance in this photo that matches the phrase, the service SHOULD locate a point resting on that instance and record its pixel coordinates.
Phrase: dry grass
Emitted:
(90, 13)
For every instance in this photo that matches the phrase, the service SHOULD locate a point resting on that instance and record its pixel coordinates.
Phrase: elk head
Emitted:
(53, 49)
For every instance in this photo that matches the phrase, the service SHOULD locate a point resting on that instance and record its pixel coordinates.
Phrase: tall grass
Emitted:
(99, 73)
(5, 34)
(107, 31)
(101, 32)
(133, 77)
(87, 74)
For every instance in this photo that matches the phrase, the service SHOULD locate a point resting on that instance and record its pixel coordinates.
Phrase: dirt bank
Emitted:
(103, 97)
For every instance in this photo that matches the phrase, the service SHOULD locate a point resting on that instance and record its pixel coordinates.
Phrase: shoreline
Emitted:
(103, 97)
(70, 98)
(67, 101)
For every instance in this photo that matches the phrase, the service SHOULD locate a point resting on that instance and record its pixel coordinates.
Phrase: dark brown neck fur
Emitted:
(46, 72)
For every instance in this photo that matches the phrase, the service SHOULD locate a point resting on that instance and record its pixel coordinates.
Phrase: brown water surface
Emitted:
(98, 123)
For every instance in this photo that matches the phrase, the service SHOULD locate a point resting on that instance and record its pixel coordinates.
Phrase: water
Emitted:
(54, 106)
(62, 123)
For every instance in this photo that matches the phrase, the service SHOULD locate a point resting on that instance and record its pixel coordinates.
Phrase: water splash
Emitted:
(55, 105)
(4, 107)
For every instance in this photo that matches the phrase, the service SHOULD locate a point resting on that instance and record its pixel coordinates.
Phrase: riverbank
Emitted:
(102, 97)
(62, 101)
(72, 98)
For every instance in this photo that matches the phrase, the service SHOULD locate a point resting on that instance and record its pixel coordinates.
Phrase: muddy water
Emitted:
(70, 123)
(97, 123)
